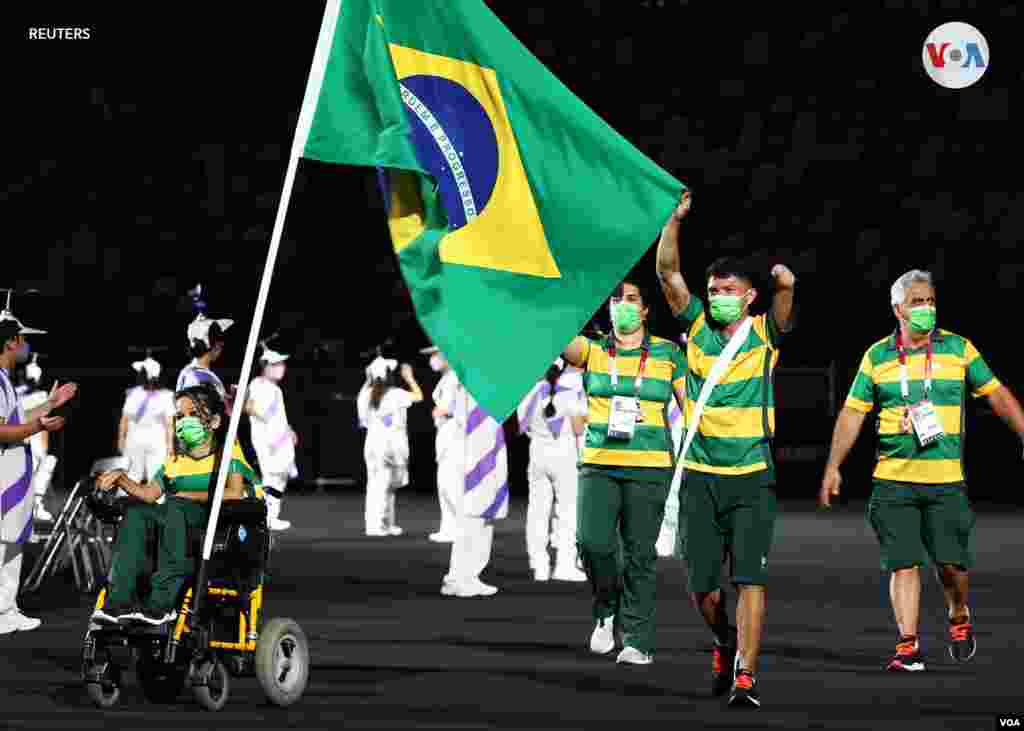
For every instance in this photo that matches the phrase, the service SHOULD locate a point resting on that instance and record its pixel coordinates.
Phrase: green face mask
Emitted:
(191, 431)
(726, 308)
(626, 317)
(922, 319)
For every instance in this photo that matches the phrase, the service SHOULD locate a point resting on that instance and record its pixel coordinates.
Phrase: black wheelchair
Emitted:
(227, 636)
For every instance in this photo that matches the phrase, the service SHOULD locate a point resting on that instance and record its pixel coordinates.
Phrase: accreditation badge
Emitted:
(926, 423)
(625, 413)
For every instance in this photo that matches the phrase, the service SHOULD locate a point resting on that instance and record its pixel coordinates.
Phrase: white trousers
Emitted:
(450, 481)
(276, 482)
(553, 485)
(144, 457)
(10, 576)
(471, 550)
(382, 481)
(42, 474)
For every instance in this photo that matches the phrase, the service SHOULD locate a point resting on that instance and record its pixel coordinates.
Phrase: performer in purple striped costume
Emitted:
(16, 501)
(383, 406)
(145, 434)
(484, 499)
(553, 414)
(447, 446)
(272, 435)
(33, 396)
(205, 345)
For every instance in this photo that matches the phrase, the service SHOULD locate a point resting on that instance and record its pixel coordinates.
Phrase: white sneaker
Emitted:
(602, 640)
(564, 572)
(40, 512)
(277, 524)
(633, 656)
(395, 531)
(377, 532)
(447, 588)
(440, 537)
(541, 572)
(15, 621)
(474, 588)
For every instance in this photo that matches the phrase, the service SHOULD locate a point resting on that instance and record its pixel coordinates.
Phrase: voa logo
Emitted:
(955, 55)
(1009, 723)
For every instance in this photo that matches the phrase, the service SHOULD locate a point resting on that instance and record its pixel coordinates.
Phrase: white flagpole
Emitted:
(309, 102)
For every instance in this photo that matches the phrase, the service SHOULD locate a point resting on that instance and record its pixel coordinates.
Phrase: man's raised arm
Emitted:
(669, 272)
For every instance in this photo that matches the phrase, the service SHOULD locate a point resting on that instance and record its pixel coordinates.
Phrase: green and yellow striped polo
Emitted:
(651, 445)
(181, 473)
(735, 430)
(956, 364)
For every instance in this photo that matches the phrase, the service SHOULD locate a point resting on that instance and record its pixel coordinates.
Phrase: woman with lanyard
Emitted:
(16, 466)
(630, 377)
(383, 407)
(145, 434)
(552, 416)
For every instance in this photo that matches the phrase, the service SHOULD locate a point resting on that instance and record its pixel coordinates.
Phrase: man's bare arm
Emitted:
(844, 436)
(670, 275)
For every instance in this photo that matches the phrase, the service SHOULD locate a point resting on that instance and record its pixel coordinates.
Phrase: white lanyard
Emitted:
(904, 371)
(613, 369)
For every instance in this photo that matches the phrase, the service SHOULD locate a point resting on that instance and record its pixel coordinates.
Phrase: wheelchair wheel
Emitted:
(107, 692)
(214, 694)
(160, 682)
(282, 661)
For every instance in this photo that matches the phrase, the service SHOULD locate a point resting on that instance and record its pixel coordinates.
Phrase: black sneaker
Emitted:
(962, 644)
(114, 612)
(722, 659)
(744, 691)
(156, 617)
(907, 659)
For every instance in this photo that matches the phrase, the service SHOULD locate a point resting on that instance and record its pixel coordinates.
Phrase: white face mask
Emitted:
(436, 363)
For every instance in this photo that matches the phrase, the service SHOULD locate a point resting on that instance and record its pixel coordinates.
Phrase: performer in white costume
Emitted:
(32, 397)
(447, 446)
(552, 415)
(145, 434)
(484, 498)
(16, 502)
(272, 435)
(206, 345)
(383, 408)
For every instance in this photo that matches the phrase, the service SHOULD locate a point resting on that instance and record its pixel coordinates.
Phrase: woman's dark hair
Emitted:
(208, 404)
(381, 386)
(552, 376)
(197, 348)
(143, 379)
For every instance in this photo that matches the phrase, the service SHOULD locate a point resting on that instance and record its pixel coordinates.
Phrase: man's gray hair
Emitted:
(899, 288)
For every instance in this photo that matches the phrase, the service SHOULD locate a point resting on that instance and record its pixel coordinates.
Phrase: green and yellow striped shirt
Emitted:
(651, 445)
(181, 473)
(956, 364)
(739, 417)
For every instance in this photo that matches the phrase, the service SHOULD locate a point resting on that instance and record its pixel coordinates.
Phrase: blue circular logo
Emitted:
(455, 141)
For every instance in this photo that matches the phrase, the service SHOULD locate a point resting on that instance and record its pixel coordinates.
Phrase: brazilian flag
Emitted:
(514, 209)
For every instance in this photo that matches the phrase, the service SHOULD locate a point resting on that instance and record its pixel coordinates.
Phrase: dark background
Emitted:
(152, 157)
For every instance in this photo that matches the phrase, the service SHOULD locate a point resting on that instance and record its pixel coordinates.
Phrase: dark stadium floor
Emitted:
(390, 652)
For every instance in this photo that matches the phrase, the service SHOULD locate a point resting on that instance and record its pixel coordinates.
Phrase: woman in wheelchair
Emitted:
(174, 500)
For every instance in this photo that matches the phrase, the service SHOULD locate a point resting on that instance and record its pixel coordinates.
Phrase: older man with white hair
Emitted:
(918, 379)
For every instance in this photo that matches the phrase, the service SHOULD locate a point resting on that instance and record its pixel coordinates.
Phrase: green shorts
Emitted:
(727, 517)
(915, 522)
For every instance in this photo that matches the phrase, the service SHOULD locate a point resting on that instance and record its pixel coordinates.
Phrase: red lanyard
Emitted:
(904, 377)
(614, 371)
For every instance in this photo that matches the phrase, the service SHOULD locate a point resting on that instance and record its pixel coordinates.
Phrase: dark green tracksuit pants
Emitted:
(618, 517)
(173, 567)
